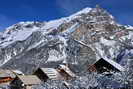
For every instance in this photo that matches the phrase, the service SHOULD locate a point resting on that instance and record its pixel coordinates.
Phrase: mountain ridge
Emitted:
(81, 38)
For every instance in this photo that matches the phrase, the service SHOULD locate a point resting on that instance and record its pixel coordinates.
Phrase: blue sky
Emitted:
(13, 11)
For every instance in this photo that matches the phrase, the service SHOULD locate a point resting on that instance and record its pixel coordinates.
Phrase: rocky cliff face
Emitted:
(79, 39)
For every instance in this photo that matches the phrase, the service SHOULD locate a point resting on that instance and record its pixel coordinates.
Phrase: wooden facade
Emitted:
(104, 65)
(5, 79)
(41, 75)
(65, 75)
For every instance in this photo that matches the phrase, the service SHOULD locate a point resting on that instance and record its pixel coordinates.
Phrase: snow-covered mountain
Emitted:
(79, 39)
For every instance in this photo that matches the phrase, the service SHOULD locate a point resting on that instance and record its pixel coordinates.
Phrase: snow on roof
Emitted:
(17, 72)
(113, 63)
(66, 69)
(10, 73)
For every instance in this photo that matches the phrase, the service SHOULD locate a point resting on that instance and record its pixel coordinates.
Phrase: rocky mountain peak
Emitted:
(100, 15)
(81, 38)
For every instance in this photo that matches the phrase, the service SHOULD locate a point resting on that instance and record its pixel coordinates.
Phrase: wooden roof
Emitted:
(29, 79)
(7, 73)
(51, 73)
(67, 70)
